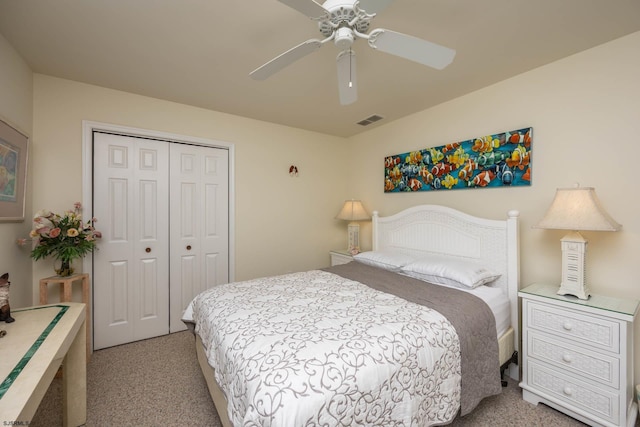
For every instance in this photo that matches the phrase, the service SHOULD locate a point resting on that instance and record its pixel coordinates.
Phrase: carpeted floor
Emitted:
(157, 382)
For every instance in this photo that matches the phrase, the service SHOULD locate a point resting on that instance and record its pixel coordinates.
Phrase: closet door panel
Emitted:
(131, 265)
(200, 244)
(216, 215)
(118, 308)
(188, 274)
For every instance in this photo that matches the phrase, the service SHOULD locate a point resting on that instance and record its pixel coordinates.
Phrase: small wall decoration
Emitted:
(499, 160)
(13, 173)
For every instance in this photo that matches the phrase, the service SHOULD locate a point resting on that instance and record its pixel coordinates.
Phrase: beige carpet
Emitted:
(157, 382)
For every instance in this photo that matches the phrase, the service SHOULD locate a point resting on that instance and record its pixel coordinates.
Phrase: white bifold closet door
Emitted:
(199, 212)
(162, 208)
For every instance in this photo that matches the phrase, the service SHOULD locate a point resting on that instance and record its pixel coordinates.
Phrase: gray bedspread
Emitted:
(471, 317)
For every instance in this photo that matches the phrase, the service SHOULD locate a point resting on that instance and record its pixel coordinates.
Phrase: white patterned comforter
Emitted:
(316, 349)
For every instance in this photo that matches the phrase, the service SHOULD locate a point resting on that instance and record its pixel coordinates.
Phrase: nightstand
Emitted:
(578, 355)
(341, 256)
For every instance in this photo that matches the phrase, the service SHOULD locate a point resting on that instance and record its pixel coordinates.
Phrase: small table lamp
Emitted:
(353, 211)
(576, 209)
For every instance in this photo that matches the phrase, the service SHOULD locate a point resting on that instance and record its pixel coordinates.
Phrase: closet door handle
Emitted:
(147, 250)
(188, 247)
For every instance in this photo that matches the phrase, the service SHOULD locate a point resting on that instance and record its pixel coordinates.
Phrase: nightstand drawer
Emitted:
(574, 359)
(589, 330)
(573, 392)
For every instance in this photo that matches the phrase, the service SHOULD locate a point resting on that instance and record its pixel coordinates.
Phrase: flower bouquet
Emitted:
(64, 237)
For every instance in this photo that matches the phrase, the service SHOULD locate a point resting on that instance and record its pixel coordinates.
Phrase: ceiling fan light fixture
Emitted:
(344, 38)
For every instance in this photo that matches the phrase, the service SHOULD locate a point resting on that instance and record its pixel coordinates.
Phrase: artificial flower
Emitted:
(64, 237)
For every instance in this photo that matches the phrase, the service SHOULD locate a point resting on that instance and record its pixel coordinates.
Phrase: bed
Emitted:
(371, 342)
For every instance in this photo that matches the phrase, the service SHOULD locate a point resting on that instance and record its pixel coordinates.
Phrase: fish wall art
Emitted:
(499, 160)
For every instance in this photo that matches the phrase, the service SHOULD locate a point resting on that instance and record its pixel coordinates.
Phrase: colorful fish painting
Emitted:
(499, 160)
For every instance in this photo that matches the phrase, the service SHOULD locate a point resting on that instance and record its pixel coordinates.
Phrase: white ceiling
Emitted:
(200, 52)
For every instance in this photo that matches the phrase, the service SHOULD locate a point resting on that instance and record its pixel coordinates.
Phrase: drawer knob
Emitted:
(568, 391)
(567, 358)
(567, 326)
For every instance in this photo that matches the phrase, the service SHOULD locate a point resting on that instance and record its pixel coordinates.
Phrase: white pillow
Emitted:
(388, 260)
(450, 272)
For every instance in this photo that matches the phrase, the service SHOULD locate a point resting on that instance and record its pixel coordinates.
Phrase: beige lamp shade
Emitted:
(577, 208)
(353, 211)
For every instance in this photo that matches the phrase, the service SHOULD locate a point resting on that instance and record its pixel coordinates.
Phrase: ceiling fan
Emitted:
(343, 21)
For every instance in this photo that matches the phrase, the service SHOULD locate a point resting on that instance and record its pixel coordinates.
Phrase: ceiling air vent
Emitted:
(369, 120)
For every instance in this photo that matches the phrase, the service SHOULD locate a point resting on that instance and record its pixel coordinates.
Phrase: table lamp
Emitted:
(353, 211)
(576, 209)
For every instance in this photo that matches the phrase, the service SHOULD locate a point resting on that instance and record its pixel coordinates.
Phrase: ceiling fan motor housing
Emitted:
(341, 12)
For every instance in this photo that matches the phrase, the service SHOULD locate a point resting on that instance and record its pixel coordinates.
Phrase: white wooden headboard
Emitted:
(434, 229)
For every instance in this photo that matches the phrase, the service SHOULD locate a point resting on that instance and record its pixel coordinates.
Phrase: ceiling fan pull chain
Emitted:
(350, 62)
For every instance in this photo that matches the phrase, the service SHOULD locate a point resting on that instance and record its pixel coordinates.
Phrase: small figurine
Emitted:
(5, 309)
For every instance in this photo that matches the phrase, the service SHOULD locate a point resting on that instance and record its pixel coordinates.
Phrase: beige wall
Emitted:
(282, 223)
(16, 98)
(585, 112)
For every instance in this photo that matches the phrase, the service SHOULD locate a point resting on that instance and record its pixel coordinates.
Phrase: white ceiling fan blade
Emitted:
(285, 59)
(347, 85)
(411, 48)
(307, 7)
(374, 6)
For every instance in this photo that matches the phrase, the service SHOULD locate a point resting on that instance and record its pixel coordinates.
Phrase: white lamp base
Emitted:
(353, 238)
(574, 249)
(582, 293)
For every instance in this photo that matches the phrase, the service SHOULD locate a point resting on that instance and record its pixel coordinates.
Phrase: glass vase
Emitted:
(63, 268)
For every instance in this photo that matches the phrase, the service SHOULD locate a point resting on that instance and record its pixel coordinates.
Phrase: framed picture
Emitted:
(14, 148)
(498, 160)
